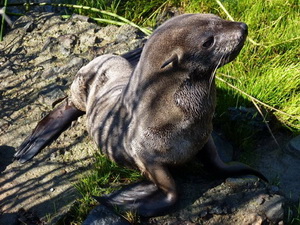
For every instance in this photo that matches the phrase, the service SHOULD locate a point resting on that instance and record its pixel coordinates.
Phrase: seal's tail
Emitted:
(47, 130)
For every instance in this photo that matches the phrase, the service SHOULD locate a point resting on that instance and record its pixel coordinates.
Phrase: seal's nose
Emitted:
(244, 27)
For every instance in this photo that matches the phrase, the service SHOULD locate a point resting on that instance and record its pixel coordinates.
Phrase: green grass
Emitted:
(269, 71)
(104, 178)
(4, 20)
(293, 214)
(142, 12)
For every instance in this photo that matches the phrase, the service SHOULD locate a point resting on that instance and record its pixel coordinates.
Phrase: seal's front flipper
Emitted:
(47, 130)
(134, 197)
(211, 160)
(145, 198)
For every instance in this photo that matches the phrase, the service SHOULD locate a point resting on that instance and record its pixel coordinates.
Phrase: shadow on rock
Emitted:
(6, 156)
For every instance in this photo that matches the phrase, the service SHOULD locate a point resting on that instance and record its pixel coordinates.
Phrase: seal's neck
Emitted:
(196, 99)
(168, 96)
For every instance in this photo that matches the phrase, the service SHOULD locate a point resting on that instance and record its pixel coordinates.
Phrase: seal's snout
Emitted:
(244, 27)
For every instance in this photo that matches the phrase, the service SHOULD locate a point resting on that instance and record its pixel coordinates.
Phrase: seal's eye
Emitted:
(209, 42)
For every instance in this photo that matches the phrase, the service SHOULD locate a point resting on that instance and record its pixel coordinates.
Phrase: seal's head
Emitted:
(195, 42)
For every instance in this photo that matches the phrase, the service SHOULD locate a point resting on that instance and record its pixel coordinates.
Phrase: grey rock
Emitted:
(247, 202)
(294, 146)
(216, 210)
(280, 165)
(87, 40)
(125, 33)
(4, 74)
(67, 41)
(101, 215)
(81, 18)
(241, 182)
(274, 208)
(49, 73)
(47, 97)
(74, 64)
(274, 189)
(29, 26)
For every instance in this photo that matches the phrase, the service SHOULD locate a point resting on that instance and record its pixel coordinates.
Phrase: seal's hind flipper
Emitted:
(144, 198)
(47, 130)
(133, 56)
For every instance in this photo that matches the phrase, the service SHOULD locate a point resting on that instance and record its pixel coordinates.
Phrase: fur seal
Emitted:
(155, 114)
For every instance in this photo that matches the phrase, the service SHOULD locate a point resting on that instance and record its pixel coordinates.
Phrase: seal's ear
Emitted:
(173, 59)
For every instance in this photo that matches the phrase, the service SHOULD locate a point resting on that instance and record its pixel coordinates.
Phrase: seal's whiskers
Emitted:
(214, 72)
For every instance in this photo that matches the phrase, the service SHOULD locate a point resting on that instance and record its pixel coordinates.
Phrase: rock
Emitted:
(249, 116)
(81, 18)
(68, 41)
(29, 26)
(274, 189)
(280, 165)
(252, 218)
(273, 208)
(233, 202)
(101, 215)
(74, 64)
(47, 96)
(49, 73)
(4, 74)
(236, 183)
(294, 146)
(87, 40)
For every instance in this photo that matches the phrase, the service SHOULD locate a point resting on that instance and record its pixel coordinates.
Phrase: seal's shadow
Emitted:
(6, 156)
(192, 181)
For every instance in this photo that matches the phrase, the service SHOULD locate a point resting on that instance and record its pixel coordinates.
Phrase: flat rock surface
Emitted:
(39, 59)
(235, 201)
